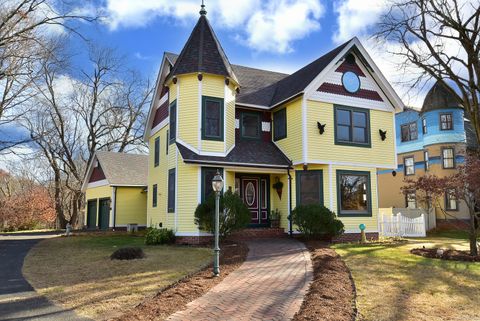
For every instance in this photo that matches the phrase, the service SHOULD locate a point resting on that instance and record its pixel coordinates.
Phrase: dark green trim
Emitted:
(156, 152)
(368, 213)
(259, 126)
(298, 174)
(171, 198)
(173, 133)
(368, 144)
(154, 195)
(275, 137)
(202, 183)
(92, 215)
(204, 104)
(106, 224)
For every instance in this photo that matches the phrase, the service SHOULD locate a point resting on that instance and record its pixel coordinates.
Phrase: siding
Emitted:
(292, 144)
(187, 108)
(131, 206)
(158, 175)
(96, 193)
(187, 191)
(214, 86)
(229, 116)
(322, 148)
(277, 203)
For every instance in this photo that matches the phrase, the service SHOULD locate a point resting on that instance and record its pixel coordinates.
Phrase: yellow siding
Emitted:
(96, 193)
(292, 144)
(172, 92)
(229, 116)
(322, 147)
(214, 86)
(131, 206)
(188, 110)
(188, 194)
(158, 175)
(230, 180)
(276, 202)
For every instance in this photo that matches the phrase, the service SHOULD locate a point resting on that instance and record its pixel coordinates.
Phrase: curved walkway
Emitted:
(270, 285)
(18, 300)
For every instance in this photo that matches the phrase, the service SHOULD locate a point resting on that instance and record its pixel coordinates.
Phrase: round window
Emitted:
(350, 81)
(250, 194)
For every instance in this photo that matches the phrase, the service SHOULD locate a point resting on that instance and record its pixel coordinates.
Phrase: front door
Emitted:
(92, 214)
(254, 193)
(104, 214)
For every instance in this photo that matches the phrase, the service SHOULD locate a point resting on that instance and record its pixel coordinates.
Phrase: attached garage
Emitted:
(115, 191)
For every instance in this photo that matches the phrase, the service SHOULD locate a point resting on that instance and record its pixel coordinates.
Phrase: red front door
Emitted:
(254, 194)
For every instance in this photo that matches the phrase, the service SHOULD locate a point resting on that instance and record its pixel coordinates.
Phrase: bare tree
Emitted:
(441, 38)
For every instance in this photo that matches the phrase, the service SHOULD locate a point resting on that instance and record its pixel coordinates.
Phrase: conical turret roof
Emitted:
(440, 97)
(203, 53)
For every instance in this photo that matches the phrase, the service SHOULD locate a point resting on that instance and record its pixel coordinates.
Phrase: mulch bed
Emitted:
(453, 255)
(175, 297)
(332, 293)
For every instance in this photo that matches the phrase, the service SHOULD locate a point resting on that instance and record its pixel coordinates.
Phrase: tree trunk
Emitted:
(59, 202)
(473, 233)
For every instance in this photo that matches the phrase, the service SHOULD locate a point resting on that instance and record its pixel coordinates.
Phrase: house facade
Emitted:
(430, 141)
(317, 131)
(115, 191)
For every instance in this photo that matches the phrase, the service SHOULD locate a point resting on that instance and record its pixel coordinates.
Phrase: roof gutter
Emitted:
(194, 161)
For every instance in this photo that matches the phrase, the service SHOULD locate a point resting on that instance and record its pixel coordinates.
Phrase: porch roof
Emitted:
(244, 154)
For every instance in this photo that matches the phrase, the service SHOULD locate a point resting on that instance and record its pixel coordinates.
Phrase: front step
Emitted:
(258, 233)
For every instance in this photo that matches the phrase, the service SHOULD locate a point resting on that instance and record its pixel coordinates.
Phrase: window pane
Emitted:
(279, 120)
(157, 151)
(173, 121)
(343, 117)
(171, 190)
(154, 195)
(208, 174)
(405, 133)
(353, 193)
(448, 153)
(359, 135)
(250, 126)
(359, 119)
(409, 166)
(413, 131)
(310, 188)
(212, 118)
(343, 133)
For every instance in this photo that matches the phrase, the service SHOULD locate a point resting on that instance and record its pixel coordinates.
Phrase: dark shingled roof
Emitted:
(203, 53)
(245, 153)
(439, 97)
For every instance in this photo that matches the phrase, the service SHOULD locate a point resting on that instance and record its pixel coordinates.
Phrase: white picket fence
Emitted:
(400, 225)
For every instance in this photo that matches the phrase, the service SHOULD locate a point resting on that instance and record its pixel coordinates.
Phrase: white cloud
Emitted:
(271, 25)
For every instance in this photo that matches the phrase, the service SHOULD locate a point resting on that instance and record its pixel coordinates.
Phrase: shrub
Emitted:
(128, 253)
(155, 236)
(234, 215)
(315, 220)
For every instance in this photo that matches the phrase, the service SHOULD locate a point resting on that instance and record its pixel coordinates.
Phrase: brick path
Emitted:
(269, 285)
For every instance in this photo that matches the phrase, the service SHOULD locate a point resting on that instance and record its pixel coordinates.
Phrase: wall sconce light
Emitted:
(321, 128)
(200, 77)
(383, 134)
(174, 80)
(305, 166)
(394, 173)
(227, 81)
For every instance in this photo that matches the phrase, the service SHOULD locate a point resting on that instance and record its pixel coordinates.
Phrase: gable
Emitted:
(97, 174)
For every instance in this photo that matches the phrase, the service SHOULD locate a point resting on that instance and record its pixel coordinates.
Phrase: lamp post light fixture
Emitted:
(217, 185)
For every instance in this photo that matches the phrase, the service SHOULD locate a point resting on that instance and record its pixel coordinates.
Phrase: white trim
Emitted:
(157, 128)
(350, 101)
(266, 126)
(176, 157)
(102, 182)
(378, 209)
(253, 106)
(225, 106)
(199, 183)
(330, 185)
(195, 150)
(326, 162)
(129, 185)
(237, 123)
(162, 101)
(200, 96)
(112, 212)
(304, 130)
(125, 225)
(252, 170)
(234, 163)
(394, 137)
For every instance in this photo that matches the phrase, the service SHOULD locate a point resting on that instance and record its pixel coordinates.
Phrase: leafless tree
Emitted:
(26, 28)
(441, 38)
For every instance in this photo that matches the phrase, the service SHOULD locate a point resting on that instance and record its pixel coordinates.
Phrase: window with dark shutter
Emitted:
(173, 122)
(171, 190)
(212, 118)
(309, 187)
(208, 173)
(154, 195)
(280, 124)
(157, 152)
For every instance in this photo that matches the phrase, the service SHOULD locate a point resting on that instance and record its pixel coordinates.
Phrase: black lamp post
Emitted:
(217, 184)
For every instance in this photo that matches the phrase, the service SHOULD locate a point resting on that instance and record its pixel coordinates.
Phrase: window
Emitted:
(446, 121)
(207, 175)
(448, 156)
(157, 152)
(409, 164)
(280, 124)
(154, 195)
(171, 190)
(166, 148)
(409, 132)
(411, 199)
(250, 127)
(352, 126)
(309, 187)
(451, 202)
(173, 122)
(212, 118)
(424, 126)
(353, 192)
(427, 162)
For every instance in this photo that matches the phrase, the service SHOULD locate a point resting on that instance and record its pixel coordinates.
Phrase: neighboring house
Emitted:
(115, 191)
(316, 131)
(430, 141)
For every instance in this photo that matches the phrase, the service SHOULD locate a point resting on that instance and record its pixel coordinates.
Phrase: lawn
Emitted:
(77, 272)
(393, 284)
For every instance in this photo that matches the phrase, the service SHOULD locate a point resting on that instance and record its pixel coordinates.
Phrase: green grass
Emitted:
(77, 271)
(393, 284)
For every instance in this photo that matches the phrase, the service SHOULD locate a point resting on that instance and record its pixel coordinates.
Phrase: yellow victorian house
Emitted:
(322, 132)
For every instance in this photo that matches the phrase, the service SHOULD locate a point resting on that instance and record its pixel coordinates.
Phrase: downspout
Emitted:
(114, 206)
(290, 202)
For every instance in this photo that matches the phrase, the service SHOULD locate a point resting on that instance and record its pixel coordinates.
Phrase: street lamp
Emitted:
(217, 185)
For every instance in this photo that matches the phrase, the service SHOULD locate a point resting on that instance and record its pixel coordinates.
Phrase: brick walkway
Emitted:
(269, 285)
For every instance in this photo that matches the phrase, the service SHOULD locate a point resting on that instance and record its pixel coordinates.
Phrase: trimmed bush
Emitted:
(234, 215)
(128, 253)
(156, 236)
(317, 221)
